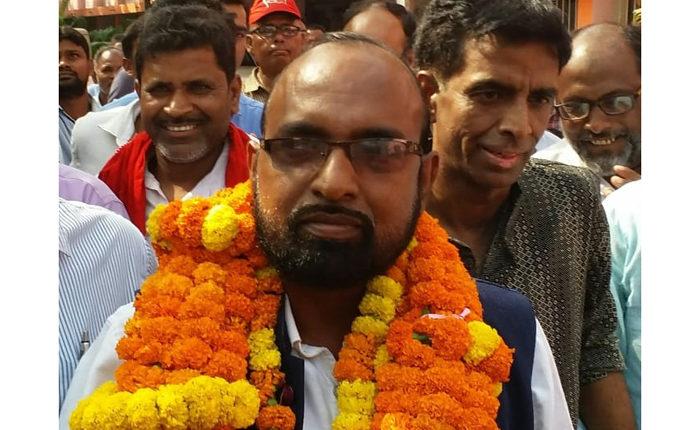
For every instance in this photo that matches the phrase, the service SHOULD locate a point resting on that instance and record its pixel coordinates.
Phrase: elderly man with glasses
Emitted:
(599, 105)
(277, 36)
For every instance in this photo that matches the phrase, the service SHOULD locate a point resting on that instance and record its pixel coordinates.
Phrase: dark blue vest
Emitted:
(508, 311)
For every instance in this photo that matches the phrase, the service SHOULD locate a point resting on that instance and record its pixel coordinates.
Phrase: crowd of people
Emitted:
(377, 227)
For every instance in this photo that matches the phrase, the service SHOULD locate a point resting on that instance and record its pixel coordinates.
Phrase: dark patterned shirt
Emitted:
(552, 244)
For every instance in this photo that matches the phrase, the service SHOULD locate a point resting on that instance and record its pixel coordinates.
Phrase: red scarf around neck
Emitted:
(125, 172)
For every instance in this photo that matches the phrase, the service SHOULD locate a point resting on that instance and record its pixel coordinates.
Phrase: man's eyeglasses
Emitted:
(611, 105)
(269, 31)
(371, 155)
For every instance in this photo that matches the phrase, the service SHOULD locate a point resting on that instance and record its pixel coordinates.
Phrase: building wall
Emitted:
(595, 11)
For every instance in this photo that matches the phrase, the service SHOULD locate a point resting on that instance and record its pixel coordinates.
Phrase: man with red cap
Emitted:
(277, 36)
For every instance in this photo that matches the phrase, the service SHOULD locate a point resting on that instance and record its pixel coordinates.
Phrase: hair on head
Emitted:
(447, 25)
(66, 32)
(176, 28)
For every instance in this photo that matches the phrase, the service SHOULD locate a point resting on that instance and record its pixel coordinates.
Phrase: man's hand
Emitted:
(605, 404)
(623, 175)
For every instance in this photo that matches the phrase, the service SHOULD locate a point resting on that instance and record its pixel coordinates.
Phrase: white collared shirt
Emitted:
(208, 185)
(549, 405)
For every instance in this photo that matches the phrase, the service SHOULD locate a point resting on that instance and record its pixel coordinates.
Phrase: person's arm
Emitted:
(549, 407)
(98, 364)
(605, 404)
(604, 401)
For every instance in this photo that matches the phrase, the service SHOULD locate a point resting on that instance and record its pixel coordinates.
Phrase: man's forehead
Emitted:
(68, 46)
(354, 85)
(487, 58)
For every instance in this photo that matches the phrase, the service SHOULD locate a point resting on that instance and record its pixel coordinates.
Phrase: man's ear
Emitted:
(430, 88)
(430, 163)
(249, 44)
(235, 92)
(252, 154)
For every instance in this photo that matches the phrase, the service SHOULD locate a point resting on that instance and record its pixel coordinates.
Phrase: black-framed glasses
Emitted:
(610, 105)
(269, 31)
(370, 155)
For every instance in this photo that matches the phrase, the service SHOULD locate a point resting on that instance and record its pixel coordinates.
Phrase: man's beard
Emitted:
(328, 264)
(72, 88)
(602, 164)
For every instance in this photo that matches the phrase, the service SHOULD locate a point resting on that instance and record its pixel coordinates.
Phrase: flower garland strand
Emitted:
(200, 351)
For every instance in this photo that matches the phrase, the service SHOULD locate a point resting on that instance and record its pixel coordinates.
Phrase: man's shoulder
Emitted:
(93, 119)
(496, 297)
(250, 103)
(559, 181)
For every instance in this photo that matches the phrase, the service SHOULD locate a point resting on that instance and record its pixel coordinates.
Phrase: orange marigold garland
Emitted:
(200, 351)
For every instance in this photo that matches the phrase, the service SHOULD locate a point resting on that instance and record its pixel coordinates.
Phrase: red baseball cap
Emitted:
(262, 8)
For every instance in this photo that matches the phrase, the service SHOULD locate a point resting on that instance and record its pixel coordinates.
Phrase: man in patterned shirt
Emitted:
(489, 69)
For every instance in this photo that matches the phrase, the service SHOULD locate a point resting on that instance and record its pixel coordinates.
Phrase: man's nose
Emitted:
(337, 179)
(598, 121)
(517, 120)
(179, 104)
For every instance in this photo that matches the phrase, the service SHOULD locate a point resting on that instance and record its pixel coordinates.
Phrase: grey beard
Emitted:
(603, 164)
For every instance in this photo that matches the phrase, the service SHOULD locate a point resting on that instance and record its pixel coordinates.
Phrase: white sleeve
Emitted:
(549, 406)
(98, 364)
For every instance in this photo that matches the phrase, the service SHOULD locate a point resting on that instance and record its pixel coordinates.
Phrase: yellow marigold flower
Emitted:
(261, 340)
(412, 244)
(203, 402)
(486, 340)
(351, 405)
(241, 404)
(497, 388)
(172, 407)
(233, 197)
(380, 307)
(266, 272)
(142, 411)
(351, 422)
(266, 359)
(381, 357)
(386, 287)
(78, 419)
(220, 227)
(363, 390)
(113, 413)
(370, 326)
(153, 223)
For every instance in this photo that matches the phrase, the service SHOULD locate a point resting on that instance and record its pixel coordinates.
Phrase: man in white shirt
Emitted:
(187, 92)
(329, 220)
(599, 92)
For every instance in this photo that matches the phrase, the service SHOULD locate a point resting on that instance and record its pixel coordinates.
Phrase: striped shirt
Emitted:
(103, 259)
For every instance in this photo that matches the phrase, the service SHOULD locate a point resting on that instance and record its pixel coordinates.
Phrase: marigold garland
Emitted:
(200, 351)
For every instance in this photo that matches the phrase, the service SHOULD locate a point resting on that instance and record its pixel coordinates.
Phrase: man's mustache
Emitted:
(298, 216)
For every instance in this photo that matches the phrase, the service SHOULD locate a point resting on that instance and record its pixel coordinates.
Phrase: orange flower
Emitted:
(180, 264)
(130, 376)
(266, 382)
(405, 349)
(190, 352)
(238, 305)
(449, 336)
(498, 365)
(351, 370)
(275, 418)
(266, 308)
(180, 376)
(231, 340)
(209, 272)
(227, 365)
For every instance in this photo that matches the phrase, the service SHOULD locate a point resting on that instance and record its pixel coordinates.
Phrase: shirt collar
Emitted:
(303, 351)
(252, 84)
